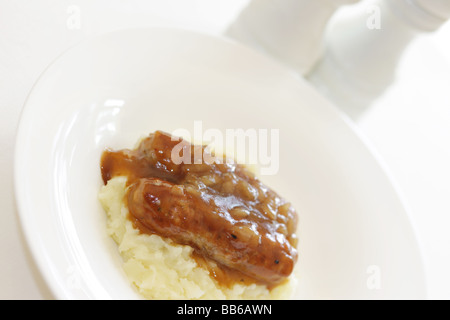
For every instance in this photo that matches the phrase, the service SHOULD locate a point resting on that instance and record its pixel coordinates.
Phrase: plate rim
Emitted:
(30, 234)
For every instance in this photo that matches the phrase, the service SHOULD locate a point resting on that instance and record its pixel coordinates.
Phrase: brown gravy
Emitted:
(240, 230)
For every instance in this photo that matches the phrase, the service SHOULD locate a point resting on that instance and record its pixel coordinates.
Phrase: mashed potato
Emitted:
(161, 269)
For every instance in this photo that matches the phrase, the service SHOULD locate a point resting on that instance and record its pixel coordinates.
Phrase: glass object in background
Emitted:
(289, 30)
(364, 44)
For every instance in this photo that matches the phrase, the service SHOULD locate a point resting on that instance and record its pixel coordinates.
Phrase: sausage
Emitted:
(227, 215)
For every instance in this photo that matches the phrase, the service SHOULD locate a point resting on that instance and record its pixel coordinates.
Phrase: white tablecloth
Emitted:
(409, 125)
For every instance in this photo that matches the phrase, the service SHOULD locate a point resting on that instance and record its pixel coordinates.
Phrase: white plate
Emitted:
(356, 240)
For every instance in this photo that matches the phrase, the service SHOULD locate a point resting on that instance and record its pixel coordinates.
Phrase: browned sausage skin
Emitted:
(239, 229)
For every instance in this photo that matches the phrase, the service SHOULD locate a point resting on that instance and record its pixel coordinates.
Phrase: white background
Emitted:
(409, 125)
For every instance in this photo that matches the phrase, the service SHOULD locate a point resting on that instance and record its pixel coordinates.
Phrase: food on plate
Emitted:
(196, 230)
